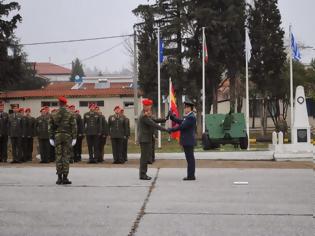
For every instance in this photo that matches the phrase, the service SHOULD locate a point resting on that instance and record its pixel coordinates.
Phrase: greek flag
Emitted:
(295, 49)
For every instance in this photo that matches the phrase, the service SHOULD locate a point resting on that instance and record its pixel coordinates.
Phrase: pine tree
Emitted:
(267, 55)
(77, 69)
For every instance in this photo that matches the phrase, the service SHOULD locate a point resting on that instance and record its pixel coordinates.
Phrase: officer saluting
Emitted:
(146, 128)
(62, 135)
(187, 127)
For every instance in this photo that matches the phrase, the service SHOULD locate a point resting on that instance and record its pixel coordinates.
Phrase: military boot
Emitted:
(59, 180)
(65, 179)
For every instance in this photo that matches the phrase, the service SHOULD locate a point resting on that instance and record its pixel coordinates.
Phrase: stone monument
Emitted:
(300, 148)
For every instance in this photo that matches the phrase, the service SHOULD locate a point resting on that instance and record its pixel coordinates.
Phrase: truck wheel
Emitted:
(244, 143)
(205, 141)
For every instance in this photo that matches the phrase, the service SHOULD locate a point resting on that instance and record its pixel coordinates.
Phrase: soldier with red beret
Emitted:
(28, 132)
(118, 132)
(15, 128)
(146, 129)
(43, 135)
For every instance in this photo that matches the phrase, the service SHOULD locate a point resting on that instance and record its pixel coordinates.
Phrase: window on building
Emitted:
(128, 104)
(49, 104)
(87, 103)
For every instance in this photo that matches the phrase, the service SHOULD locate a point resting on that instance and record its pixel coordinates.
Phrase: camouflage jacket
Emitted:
(63, 122)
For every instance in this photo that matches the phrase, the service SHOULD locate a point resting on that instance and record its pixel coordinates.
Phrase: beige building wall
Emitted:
(107, 109)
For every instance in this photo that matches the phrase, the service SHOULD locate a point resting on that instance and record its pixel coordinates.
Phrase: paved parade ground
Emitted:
(113, 201)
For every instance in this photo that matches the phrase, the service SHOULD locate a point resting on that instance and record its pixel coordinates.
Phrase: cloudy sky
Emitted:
(50, 20)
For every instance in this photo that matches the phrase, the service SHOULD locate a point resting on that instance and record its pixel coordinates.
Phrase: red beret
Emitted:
(42, 109)
(91, 105)
(117, 107)
(96, 107)
(62, 99)
(72, 106)
(28, 109)
(147, 102)
(21, 109)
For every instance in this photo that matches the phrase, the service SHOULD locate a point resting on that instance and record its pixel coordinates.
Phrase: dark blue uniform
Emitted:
(187, 128)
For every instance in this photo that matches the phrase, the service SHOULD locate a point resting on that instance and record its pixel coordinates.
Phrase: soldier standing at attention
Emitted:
(28, 131)
(146, 128)
(15, 127)
(4, 119)
(52, 153)
(117, 132)
(78, 145)
(125, 141)
(43, 135)
(104, 134)
(187, 127)
(92, 127)
(62, 135)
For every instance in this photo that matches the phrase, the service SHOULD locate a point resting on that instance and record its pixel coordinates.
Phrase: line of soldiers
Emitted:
(21, 128)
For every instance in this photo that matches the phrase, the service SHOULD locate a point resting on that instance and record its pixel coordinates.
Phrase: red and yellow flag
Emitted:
(174, 110)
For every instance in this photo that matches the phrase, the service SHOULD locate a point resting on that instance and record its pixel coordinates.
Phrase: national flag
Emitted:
(205, 49)
(174, 110)
(161, 50)
(295, 49)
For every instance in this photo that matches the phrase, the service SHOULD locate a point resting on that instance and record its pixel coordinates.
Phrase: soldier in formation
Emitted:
(4, 120)
(62, 135)
(117, 132)
(104, 134)
(92, 123)
(28, 133)
(125, 140)
(43, 135)
(77, 149)
(15, 128)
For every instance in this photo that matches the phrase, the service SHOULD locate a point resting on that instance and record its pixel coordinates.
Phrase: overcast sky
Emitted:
(50, 20)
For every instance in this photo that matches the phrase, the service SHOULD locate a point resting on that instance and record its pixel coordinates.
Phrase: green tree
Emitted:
(15, 72)
(77, 69)
(267, 56)
(147, 47)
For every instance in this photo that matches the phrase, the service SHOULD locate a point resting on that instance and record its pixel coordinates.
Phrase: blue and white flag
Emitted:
(161, 50)
(295, 49)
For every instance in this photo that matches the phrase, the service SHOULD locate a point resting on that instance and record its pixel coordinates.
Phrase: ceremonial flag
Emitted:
(295, 49)
(174, 110)
(205, 48)
(161, 50)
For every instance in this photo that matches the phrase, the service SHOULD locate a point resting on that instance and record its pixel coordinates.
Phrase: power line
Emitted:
(99, 53)
(76, 40)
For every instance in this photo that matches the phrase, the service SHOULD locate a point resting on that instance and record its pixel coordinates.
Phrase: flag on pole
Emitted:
(205, 48)
(161, 50)
(174, 110)
(248, 46)
(295, 49)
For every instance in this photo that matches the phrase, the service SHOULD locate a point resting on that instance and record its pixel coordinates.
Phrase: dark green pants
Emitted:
(44, 150)
(117, 147)
(146, 156)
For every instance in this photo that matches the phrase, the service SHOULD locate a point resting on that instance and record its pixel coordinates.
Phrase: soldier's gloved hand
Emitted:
(74, 141)
(52, 142)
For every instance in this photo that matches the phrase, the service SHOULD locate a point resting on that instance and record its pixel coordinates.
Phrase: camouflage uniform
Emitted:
(77, 149)
(103, 137)
(4, 119)
(93, 128)
(118, 132)
(15, 128)
(28, 132)
(43, 137)
(62, 129)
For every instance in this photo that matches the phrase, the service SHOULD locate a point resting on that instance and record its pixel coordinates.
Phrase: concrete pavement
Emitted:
(103, 201)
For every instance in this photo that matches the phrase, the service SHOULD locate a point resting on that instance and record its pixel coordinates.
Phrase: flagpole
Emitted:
(291, 84)
(159, 87)
(203, 82)
(247, 86)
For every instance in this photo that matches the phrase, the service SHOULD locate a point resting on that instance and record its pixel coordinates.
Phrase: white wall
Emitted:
(58, 78)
